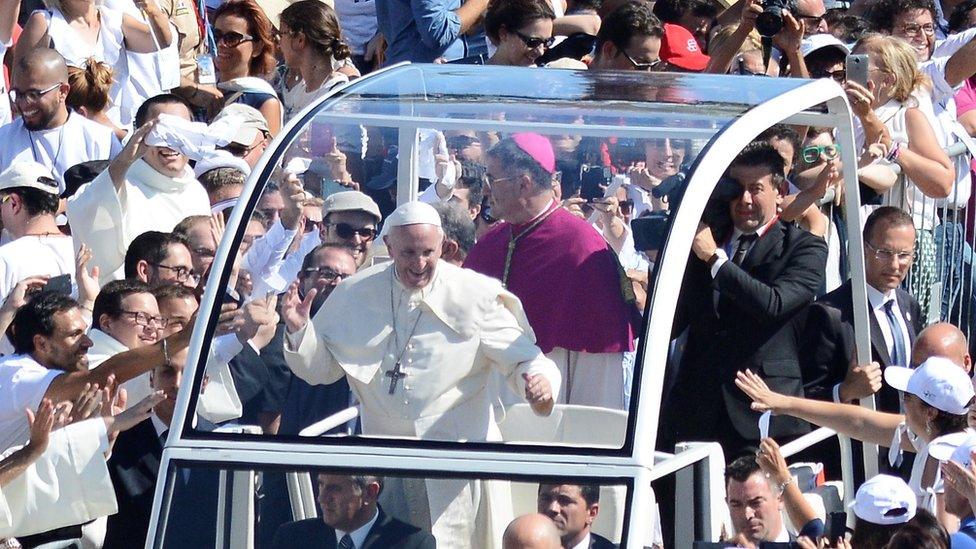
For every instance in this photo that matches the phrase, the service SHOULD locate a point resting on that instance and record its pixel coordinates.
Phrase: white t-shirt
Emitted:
(78, 140)
(23, 383)
(35, 255)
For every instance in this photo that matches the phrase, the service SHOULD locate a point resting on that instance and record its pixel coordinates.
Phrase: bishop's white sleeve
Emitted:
(512, 349)
(97, 217)
(69, 484)
(309, 358)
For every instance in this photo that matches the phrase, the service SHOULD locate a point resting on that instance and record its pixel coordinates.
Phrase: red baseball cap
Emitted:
(679, 48)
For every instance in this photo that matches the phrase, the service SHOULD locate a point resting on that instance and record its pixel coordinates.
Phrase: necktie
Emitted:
(742, 247)
(162, 437)
(346, 542)
(899, 350)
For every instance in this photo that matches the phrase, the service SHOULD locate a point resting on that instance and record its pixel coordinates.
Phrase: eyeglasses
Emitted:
(32, 96)
(887, 255)
(325, 273)
(839, 75)
(812, 21)
(347, 231)
(533, 42)
(240, 150)
(182, 273)
(912, 29)
(231, 39)
(656, 65)
(311, 225)
(491, 180)
(813, 154)
(146, 319)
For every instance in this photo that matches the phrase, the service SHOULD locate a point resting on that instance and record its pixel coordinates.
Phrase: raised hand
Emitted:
(538, 393)
(139, 411)
(41, 424)
(763, 398)
(17, 297)
(87, 281)
(772, 462)
(295, 311)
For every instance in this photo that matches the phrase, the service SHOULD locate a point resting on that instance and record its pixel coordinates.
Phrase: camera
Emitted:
(770, 21)
(594, 181)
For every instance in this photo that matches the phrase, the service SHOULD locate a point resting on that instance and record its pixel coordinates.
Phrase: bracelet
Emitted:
(782, 486)
(166, 353)
(894, 152)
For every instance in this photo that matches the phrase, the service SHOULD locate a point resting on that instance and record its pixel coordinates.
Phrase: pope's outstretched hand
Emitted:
(295, 310)
(538, 392)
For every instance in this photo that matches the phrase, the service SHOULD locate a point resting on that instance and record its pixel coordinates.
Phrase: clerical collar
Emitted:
(141, 172)
(359, 534)
(549, 207)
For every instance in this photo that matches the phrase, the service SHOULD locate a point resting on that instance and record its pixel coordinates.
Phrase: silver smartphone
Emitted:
(856, 67)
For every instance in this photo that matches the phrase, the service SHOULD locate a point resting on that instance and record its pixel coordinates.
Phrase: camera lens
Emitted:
(769, 22)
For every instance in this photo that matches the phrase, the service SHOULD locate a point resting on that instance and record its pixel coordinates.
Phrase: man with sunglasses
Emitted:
(629, 40)
(349, 218)
(46, 132)
(28, 205)
(824, 56)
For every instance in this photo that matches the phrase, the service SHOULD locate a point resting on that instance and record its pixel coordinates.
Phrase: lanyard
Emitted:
(203, 21)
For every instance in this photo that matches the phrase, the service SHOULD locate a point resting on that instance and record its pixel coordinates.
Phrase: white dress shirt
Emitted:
(583, 544)
(877, 301)
(359, 535)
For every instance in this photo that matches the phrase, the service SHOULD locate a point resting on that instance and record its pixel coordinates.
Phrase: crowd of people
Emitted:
(129, 128)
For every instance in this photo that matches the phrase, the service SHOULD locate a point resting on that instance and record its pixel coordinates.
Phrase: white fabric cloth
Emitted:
(78, 140)
(449, 338)
(286, 271)
(194, 139)
(50, 255)
(69, 484)
(590, 379)
(219, 401)
(107, 221)
(877, 301)
(23, 383)
(298, 97)
(109, 49)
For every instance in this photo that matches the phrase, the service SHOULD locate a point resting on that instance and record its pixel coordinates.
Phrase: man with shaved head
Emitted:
(47, 132)
(945, 340)
(533, 531)
(418, 354)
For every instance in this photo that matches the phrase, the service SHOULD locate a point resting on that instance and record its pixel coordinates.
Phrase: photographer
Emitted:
(741, 292)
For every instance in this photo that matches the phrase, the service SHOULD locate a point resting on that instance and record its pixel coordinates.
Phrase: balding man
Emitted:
(811, 13)
(418, 354)
(533, 531)
(46, 131)
(945, 340)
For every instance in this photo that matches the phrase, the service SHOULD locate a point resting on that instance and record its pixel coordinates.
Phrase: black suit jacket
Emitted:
(752, 328)
(599, 542)
(830, 343)
(133, 468)
(387, 533)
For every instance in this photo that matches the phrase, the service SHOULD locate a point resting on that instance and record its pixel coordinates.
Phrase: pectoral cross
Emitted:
(395, 375)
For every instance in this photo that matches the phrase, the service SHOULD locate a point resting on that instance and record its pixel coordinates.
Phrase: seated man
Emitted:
(351, 518)
(146, 188)
(573, 508)
(125, 316)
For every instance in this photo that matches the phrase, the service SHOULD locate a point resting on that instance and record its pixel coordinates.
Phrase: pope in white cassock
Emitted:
(418, 340)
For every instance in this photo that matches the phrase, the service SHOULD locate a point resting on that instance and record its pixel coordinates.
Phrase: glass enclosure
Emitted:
(386, 136)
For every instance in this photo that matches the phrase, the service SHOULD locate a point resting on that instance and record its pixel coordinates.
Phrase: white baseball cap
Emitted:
(956, 447)
(220, 159)
(816, 42)
(939, 382)
(29, 174)
(884, 499)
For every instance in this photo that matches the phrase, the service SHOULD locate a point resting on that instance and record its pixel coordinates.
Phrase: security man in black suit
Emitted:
(573, 508)
(351, 519)
(740, 294)
(134, 467)
(894, 316)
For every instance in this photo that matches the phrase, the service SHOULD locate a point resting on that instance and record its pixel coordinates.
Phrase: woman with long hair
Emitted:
(245, 58)
(83, 29)
(312, 45)
(520, 30)
(88, 93)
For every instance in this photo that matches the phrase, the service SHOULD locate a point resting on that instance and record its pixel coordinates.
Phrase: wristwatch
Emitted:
(711, 260)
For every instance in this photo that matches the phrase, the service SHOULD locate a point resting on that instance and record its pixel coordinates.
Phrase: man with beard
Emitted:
(46, 131)
(146, 188)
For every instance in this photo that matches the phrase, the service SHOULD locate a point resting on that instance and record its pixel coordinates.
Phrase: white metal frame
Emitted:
(640, 466)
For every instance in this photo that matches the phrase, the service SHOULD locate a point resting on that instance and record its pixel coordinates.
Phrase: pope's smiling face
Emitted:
(415, 250)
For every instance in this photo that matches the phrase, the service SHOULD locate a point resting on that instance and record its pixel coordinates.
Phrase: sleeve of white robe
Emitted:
(97, 218)
(69, 484)
(268, 251)
(512, 349)
(219, 401)
(309, 358)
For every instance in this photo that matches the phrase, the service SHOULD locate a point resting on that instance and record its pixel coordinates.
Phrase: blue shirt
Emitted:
(965, 538)
(423, 30)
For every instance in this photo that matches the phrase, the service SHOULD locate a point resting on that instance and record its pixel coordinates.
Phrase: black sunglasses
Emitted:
(533, 42)
(347, 231)
(231, 39)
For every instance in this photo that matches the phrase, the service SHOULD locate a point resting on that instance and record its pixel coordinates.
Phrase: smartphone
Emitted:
(650, 231)
(856, 67)
(836, 526)
(59, 284)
